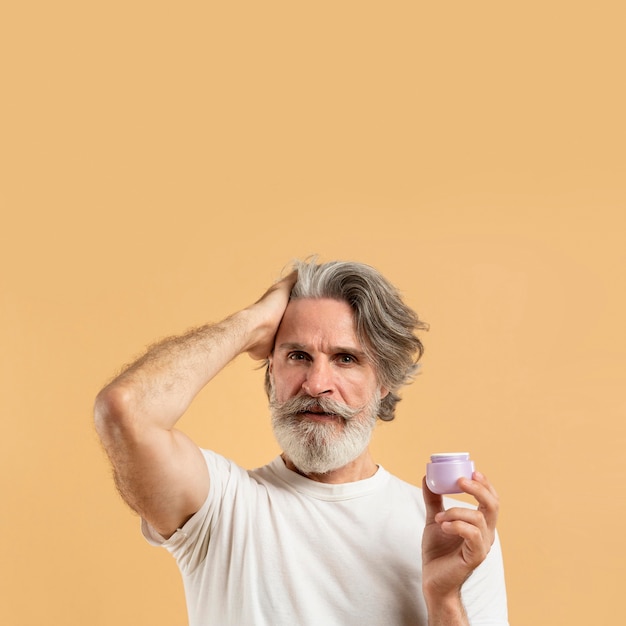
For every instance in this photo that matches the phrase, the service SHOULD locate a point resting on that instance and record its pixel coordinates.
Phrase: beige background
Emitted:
(161, 162)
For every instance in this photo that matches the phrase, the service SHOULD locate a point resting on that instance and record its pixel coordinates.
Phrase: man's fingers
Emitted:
(433, 502)
(485, 494)
(482, 479)
(289, 280)
(462, 514)
(476, 539)
(283, 284)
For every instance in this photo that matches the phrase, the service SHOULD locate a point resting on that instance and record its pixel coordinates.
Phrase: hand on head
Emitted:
(271, 308)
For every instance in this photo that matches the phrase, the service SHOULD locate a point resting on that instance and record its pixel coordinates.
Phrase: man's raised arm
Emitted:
(159, 471)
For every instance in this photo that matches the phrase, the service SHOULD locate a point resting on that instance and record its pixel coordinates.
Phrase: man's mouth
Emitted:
(319, 416)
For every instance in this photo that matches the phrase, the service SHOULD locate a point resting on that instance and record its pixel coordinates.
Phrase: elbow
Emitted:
(112, 411)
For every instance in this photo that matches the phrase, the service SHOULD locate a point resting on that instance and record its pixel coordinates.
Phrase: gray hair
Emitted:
(385, 325)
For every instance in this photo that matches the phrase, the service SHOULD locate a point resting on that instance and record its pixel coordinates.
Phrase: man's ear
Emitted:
(384, 392)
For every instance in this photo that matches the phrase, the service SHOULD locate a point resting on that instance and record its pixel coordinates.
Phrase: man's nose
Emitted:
(319, 379)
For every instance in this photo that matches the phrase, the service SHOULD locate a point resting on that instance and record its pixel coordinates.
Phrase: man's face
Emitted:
(325, 393)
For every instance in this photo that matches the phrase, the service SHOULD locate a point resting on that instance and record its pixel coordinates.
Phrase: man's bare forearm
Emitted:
(160, 386)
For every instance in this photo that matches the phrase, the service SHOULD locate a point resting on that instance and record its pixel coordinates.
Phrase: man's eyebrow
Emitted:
(353, 350)
(292, 345)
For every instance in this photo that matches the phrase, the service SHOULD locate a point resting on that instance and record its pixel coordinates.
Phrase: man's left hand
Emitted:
(456, 540)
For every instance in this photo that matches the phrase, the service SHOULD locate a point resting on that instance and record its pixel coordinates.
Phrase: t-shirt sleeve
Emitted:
(189, 545)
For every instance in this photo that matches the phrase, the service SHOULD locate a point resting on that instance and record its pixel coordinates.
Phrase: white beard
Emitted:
(316, 447)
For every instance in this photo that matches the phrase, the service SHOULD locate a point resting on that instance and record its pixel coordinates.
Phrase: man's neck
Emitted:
(362, 467)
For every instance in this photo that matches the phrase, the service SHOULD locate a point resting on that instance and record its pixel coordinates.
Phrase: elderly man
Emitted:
(322, 535)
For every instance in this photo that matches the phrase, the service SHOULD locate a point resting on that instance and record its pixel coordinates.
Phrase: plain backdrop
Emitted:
(161, 163)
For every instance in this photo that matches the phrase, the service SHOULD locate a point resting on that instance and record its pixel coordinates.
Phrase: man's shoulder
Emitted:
(225, 468)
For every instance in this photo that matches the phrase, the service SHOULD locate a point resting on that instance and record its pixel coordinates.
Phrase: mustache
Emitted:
(304, 404)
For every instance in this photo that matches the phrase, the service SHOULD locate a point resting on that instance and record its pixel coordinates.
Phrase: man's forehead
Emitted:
(324, 313)
(308, 321)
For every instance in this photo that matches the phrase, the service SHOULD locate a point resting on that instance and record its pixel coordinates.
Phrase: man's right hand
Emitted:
(270, 309)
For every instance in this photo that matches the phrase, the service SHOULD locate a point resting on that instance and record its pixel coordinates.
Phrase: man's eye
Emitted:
(296, 356)
(346, 358)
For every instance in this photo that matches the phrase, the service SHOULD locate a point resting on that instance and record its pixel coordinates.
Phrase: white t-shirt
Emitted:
(270, 547)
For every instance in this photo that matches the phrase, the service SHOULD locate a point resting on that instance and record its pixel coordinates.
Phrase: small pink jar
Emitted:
(445, 469)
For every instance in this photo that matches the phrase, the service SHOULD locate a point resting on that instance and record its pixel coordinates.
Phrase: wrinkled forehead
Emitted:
(318, 320)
